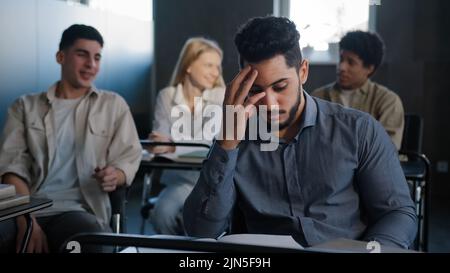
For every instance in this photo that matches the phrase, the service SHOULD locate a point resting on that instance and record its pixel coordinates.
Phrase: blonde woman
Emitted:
(196, 83)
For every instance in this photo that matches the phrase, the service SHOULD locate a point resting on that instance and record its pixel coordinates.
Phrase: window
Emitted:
(322, 23)
(138, 9)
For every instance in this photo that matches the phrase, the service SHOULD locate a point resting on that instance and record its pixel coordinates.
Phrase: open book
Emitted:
(16, 200)
(270, 240)
(7, 190)
(277, 241)
(339, 245)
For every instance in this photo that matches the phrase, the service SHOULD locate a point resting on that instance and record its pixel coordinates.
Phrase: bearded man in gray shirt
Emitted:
(334, 174)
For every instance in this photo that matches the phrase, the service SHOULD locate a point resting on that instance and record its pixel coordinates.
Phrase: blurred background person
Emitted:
(360, 54)
(197, 74)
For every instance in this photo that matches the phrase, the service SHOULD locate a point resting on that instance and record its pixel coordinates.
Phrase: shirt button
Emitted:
(223, 159)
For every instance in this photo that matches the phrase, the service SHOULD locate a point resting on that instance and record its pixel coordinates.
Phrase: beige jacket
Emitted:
(375, 99)
(105, 135)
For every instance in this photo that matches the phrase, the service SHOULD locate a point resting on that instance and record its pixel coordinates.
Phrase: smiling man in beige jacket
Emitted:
(73, 144)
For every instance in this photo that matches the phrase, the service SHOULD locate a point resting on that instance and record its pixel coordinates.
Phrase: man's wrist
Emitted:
(122, 177)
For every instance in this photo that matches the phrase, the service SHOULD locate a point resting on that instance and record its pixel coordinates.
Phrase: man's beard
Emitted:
(292, 113)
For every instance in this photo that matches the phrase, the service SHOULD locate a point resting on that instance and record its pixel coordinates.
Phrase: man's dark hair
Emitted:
(368, 46)
(75, 32)
(262, 38)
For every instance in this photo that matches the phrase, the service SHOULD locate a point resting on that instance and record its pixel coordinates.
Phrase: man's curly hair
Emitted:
(262, 38)
(368, 46)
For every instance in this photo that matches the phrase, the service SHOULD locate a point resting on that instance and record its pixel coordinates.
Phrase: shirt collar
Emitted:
(309, 114)
(51, 92)
(207, 95)
(363, 89)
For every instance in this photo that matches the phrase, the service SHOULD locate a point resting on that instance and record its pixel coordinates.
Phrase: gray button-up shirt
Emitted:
(339, 177)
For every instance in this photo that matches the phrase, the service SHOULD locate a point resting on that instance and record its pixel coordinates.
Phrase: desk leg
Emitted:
(26, 237)
(146, 189)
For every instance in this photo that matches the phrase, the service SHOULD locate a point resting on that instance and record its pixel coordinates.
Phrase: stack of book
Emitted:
(9, 197)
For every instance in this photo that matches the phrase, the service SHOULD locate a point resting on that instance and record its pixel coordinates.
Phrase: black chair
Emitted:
(118, 200)
(416, 167)
(412, 134)
(152, 173)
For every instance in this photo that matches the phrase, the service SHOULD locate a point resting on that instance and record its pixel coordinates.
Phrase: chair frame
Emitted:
(153, 170)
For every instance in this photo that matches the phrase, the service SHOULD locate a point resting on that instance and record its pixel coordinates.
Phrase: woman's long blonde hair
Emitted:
(192, 49)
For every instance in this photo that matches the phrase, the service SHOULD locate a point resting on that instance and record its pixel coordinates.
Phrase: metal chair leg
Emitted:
(146, 187)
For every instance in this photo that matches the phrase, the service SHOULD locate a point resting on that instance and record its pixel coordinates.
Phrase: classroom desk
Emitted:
(150, 163)
(25, 209)
(178, 244)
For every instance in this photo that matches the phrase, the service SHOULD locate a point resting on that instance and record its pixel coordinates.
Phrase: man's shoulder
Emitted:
(321, 91)
(382, 91)
(337, 111)
(30, 99)
(107, 96)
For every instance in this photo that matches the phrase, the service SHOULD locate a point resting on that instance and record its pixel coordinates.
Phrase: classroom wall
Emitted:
(30, 34)
(176, 21)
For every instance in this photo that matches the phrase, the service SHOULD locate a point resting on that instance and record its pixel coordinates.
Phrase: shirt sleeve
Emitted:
(392, 117)
(208, 208)
(383, 189)
(125, 150)
(14, 156)
(161, 119)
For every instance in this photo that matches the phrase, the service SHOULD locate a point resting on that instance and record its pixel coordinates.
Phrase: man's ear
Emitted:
(370, 70)
(303, 71)
(59, 57)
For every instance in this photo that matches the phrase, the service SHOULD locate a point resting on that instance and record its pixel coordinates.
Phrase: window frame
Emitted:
(331, 56)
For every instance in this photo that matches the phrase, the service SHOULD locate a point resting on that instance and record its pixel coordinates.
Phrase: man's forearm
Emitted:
(19, 183)
(208, 207)
(397, 228)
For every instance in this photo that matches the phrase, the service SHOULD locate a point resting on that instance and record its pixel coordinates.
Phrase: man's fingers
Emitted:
(160, 149)
(254, 99)
(109, 188)
(233, 87)
(245, 87)
(102, 172)
(110, 178)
